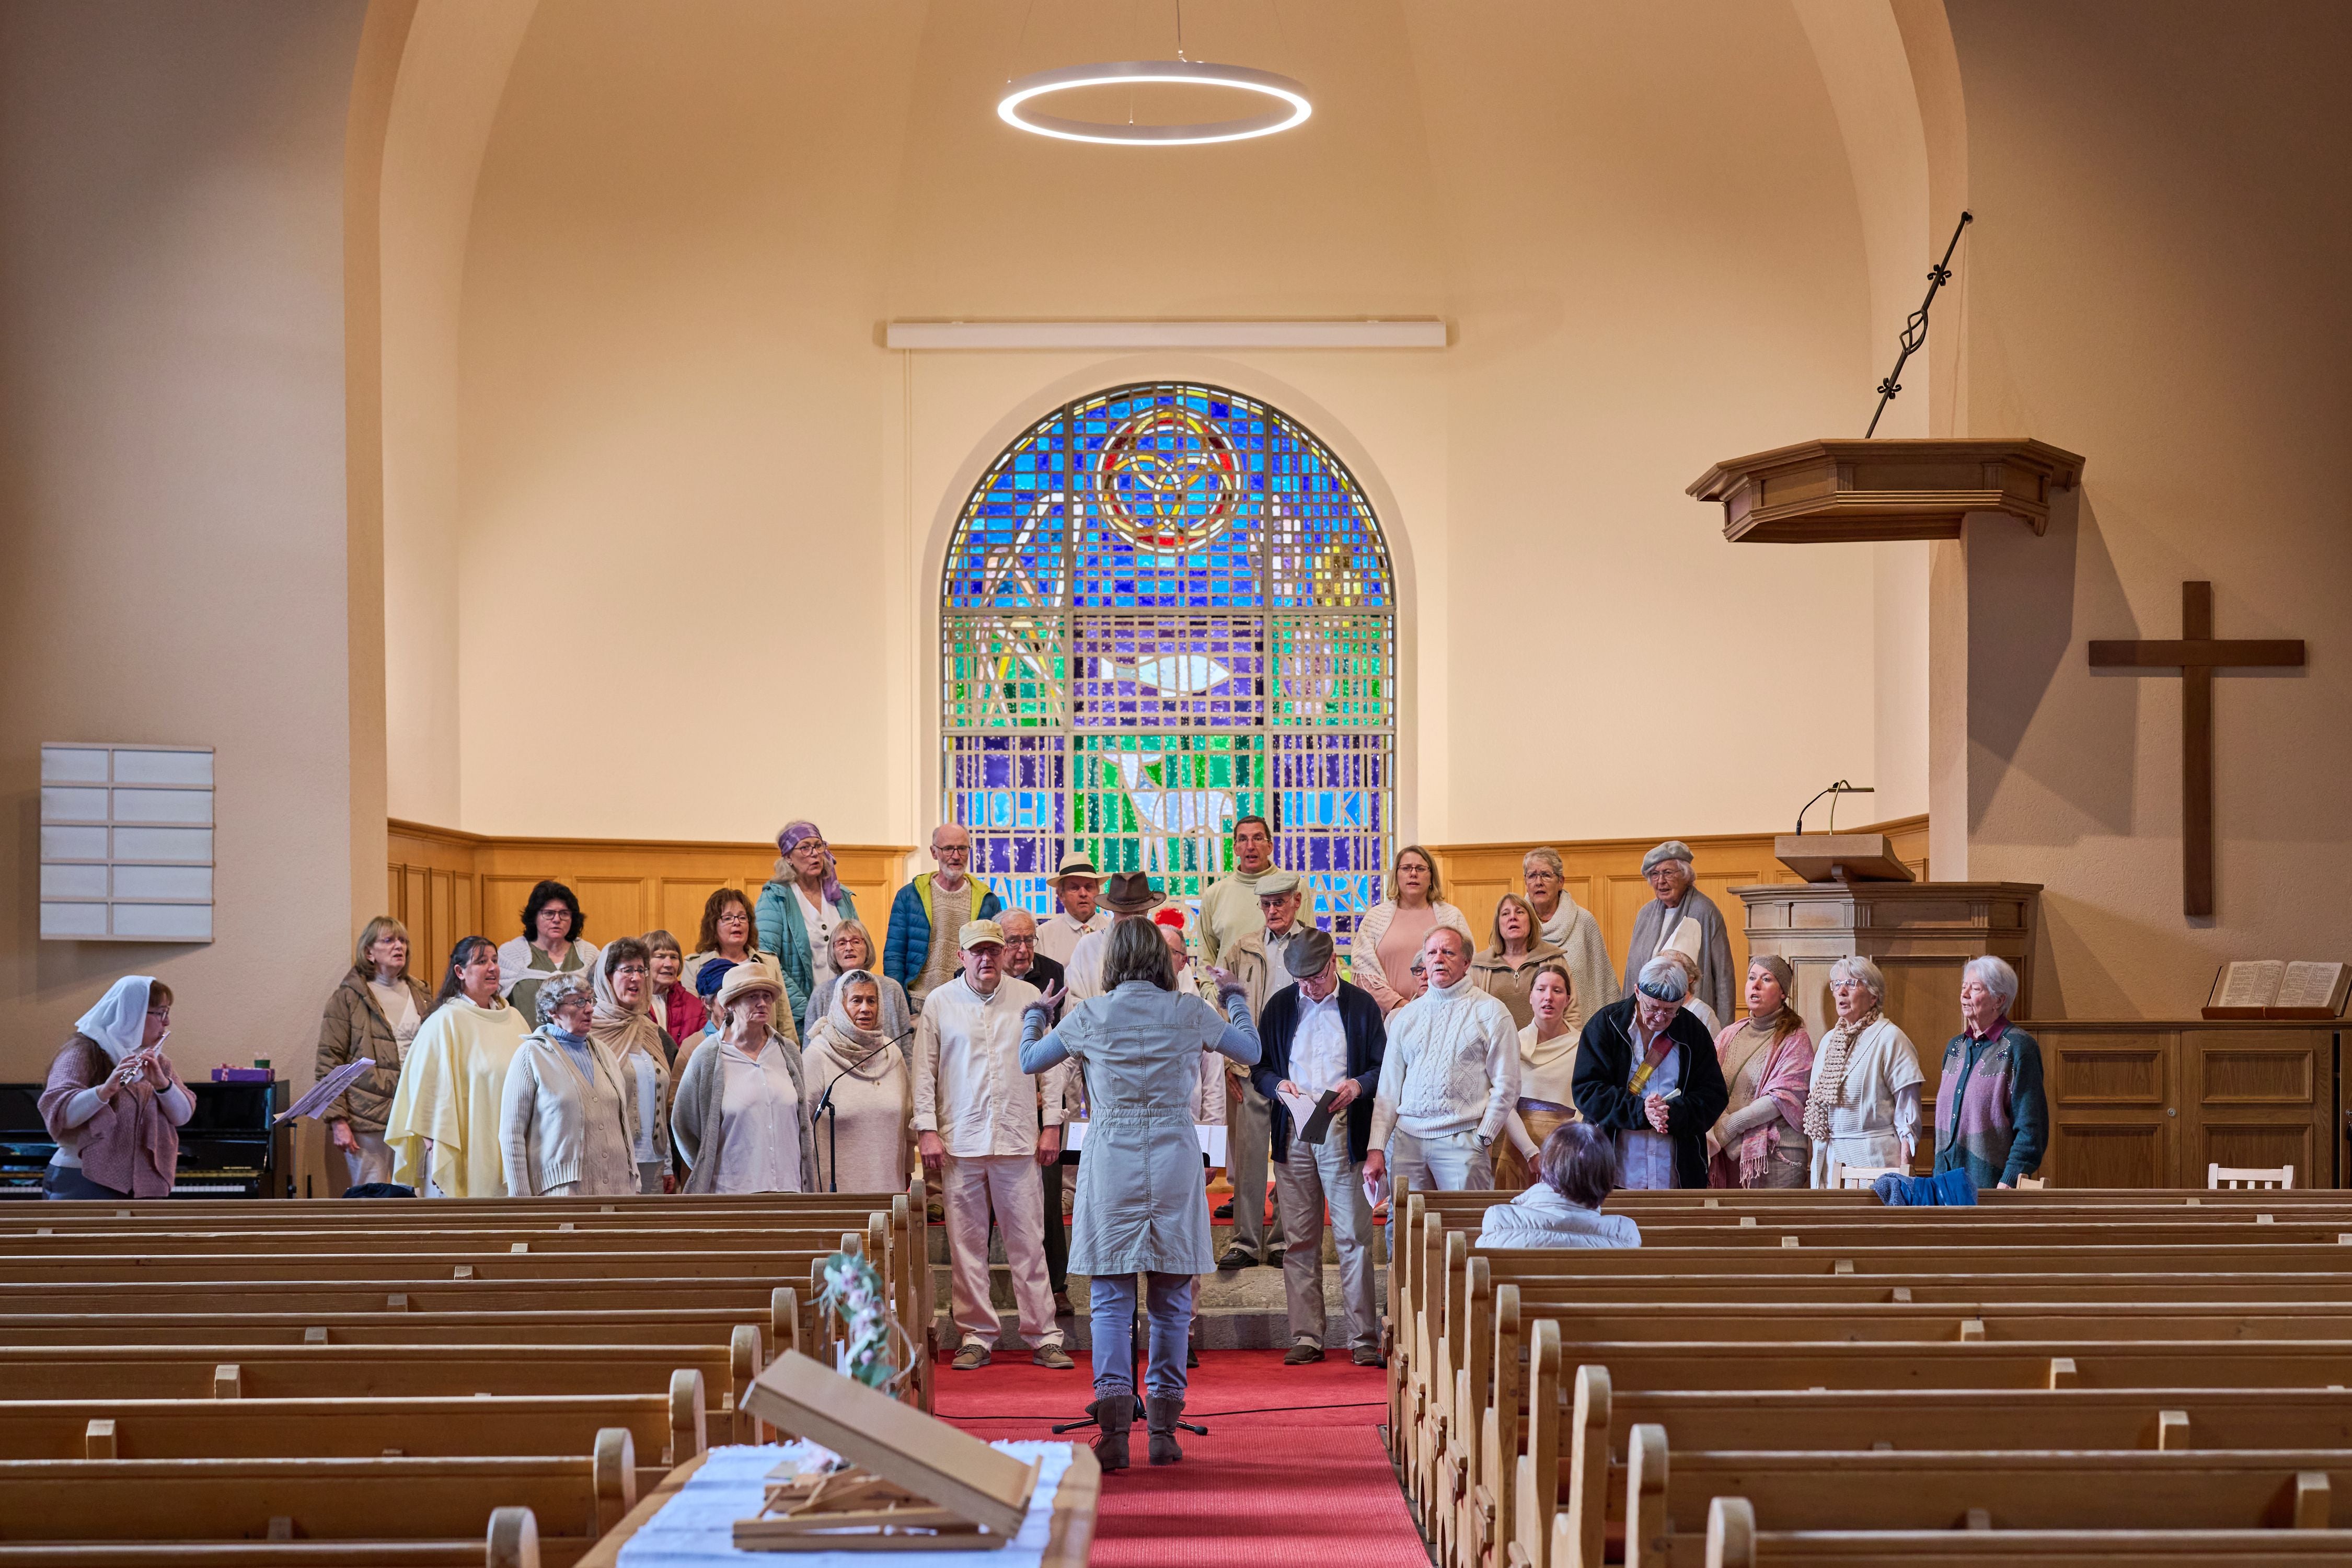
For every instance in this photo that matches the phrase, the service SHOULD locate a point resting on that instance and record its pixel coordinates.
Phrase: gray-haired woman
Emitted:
(1992, 1120)
(563, 1124)
(1646, 1073)
(1141, 1207)
(1862, 1106)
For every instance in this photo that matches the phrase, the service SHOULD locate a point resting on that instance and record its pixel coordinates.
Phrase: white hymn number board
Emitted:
(126, 843)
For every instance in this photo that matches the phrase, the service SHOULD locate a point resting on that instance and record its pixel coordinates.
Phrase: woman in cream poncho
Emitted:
(1863, 1105)
(1547, 1079)
(864, 1139)
(443, 1122)
(622, 1024)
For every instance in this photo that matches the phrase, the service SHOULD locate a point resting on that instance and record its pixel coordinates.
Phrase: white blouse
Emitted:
(819, 916)
(761, 1112)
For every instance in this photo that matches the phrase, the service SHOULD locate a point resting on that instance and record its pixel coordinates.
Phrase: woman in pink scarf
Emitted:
(115, 1102)
(1768, 1059)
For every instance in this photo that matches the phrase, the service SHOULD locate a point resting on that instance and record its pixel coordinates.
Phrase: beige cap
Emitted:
(747, 977)
(1275, 883)
(979, 933)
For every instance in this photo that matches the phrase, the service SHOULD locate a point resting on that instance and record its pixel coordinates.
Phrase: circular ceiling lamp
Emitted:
(1290, 97)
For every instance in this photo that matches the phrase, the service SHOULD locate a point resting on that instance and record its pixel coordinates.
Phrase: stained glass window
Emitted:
(1167, 607)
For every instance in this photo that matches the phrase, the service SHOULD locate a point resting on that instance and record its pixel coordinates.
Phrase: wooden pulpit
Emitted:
(1921, 934)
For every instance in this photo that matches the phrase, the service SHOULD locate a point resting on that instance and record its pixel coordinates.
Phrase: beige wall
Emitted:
(2155, 283)
(690, 222)
(173, 561)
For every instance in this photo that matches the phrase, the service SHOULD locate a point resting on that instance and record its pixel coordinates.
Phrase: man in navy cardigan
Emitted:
(1323, 1035)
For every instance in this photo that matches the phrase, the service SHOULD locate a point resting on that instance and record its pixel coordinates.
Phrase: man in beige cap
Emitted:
(977, 1118)
(1079, 884)
(1259, 960)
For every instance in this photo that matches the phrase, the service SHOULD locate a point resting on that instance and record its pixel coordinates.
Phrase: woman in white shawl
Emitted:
(623, 1025)
(114, 1103)
(864, 1094)
(1570, 927)
(1547, 1099)
(1862, 1106)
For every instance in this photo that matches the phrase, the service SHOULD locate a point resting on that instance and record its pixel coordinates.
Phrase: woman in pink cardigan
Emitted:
(115, 1102)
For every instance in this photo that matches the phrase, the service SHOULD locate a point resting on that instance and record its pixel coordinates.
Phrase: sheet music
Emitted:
(327, 1089)
(1300, 1106)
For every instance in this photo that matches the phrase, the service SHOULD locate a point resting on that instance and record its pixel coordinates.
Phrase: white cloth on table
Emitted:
(697, 1526)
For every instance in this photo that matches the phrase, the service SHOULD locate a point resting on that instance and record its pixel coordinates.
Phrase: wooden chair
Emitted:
(1849, 1177)
(2031, 1184)
(2243, 1178)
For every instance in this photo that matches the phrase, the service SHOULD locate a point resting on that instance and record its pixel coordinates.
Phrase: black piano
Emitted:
(227, 1150)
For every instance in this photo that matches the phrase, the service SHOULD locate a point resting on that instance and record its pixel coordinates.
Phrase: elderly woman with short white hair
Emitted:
(1992, 1120)
(563, 1122)
(1677, 902)
(1570, 927)
(1862, 1108)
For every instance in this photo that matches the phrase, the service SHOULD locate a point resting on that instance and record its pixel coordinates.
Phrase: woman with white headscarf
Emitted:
(113, 1102)
(853, 948)
(621, 1023)
(864, 1095)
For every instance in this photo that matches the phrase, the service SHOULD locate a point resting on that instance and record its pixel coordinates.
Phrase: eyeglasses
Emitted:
(817, 843)
(636, 969)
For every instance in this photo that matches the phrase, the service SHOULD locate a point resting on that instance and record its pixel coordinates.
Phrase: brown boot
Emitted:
(1113, 1415)
(1160, 1415)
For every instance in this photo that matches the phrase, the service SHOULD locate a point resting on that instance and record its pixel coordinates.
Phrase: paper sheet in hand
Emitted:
(1310, 1116)
(325, 1092)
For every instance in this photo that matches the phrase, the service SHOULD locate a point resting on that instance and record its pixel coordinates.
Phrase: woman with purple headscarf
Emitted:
(799, 909)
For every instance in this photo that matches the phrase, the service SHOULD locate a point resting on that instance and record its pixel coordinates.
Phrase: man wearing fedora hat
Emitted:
(977, 1116)
(1259, 959)
(1128, 896)
(1079, 884)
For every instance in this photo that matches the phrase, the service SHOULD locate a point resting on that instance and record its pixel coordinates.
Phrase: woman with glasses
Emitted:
(798, 911)
(1862, 1106)
(730, 936)
(114, 1103)
(622, 1027)
(564, 1126)
(550, 944)
(1388, 944)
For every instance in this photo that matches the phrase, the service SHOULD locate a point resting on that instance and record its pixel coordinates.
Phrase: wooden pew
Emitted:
(326, 1372)
(1668, 1492)
(779, 1323)
(1733, 1541)
(666, 1430)
(573, 1499)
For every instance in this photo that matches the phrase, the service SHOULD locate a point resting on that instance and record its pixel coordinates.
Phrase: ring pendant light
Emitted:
(1290, 95)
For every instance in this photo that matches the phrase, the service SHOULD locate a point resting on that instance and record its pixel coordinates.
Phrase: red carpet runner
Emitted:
(1290, 1486)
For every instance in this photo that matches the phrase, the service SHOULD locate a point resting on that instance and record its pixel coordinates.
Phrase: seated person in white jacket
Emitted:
(1576, 1171)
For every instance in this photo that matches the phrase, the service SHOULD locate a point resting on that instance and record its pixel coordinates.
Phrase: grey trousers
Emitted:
(1315, 1174)
(1249, 1145)
(1453, 1163)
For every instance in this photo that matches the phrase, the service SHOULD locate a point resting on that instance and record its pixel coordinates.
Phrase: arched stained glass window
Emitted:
(1167, 607)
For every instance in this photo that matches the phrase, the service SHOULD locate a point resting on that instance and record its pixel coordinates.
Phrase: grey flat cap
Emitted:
(1273, 884)
(1672, 849)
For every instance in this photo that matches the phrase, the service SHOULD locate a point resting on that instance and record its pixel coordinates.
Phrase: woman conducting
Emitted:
(622, 1027)
(1863, 1109)
(1767, 1059)
(740, 1115)
(374, 1013)
(113, 1103)
(1142, 1205)
(865, 1137)
(564, 1125)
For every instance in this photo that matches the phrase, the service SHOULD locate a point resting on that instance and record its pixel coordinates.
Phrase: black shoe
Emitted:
(1237, 1258)
(1366, 1356)
(1192, 1358)
(1303, 1354)
(1274, 1257)
(1225, 1211)
(1062, 1304)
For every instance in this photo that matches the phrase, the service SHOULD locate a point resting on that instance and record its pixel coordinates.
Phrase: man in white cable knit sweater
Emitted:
(1449, 1079)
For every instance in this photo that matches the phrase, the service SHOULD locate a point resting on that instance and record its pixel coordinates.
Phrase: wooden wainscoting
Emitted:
(2152, 1103)
(1604, 875)
(444, 884)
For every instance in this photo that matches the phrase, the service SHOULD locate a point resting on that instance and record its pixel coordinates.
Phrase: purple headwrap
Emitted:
(791, 834)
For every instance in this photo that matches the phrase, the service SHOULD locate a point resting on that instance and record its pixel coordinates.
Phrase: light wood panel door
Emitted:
(2259, 1097)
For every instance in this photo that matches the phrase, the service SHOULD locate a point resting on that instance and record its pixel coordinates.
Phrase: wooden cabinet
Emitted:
(2145, 1103)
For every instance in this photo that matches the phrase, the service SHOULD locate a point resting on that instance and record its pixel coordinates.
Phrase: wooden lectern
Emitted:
(1921, 934)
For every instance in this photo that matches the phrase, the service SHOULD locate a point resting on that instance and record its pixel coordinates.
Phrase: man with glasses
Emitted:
(1078, 884)
(920, 951)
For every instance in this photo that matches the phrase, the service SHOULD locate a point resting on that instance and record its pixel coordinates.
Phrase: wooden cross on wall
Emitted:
(2196, 656)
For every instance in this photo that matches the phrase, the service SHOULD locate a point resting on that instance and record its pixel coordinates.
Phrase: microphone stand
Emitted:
(825, 1107)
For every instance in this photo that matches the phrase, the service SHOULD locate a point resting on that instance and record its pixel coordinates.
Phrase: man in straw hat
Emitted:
(1260, 961)
(1079, 884)
(1668, 869)
(977, 1117)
